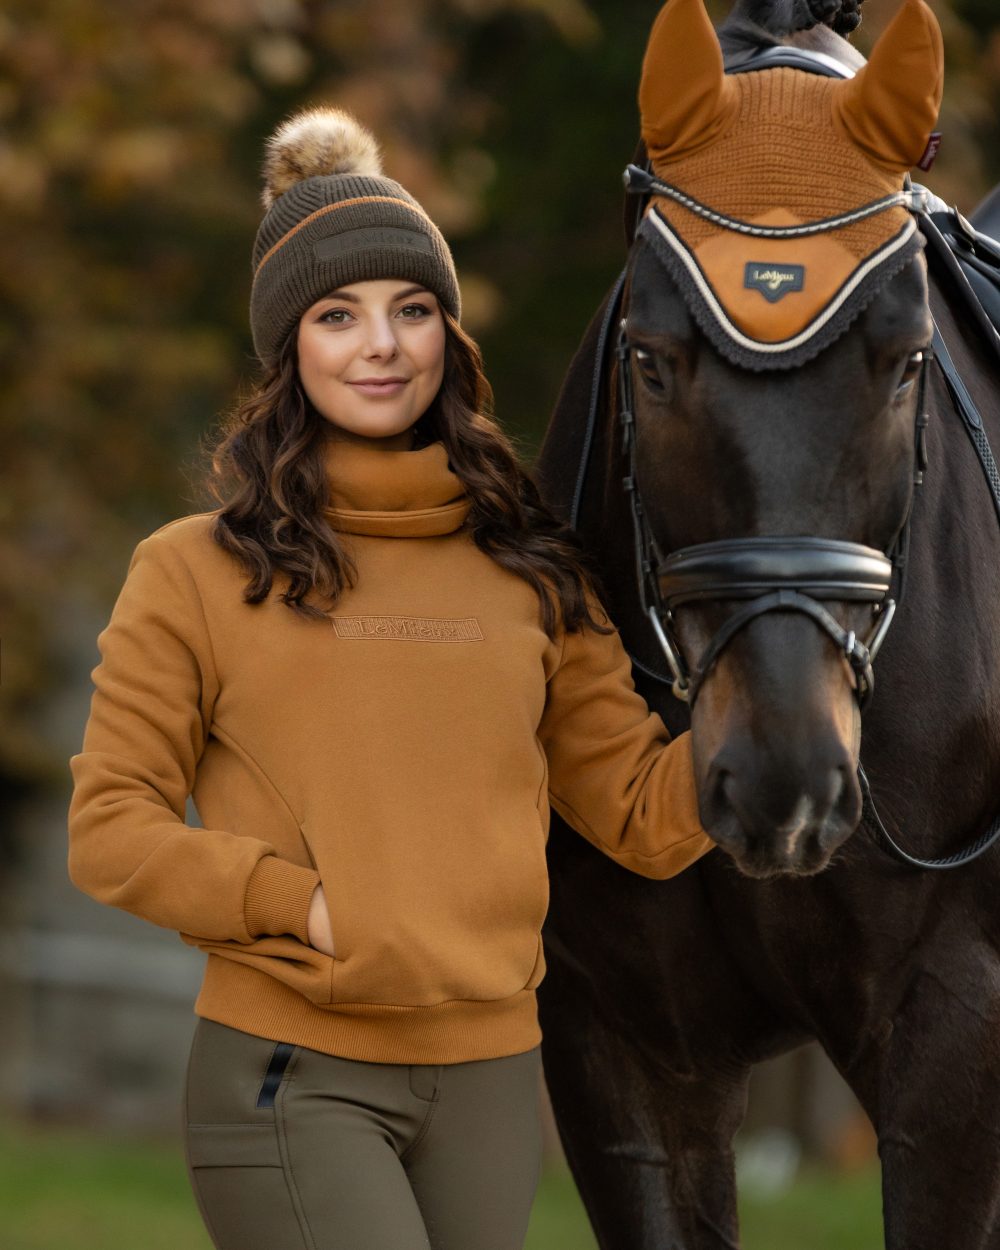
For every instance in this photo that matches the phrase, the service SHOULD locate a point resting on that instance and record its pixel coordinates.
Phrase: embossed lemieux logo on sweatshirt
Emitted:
(408, 628)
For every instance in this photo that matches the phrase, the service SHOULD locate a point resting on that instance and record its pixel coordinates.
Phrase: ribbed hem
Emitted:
(454, 1032)
(278, 896)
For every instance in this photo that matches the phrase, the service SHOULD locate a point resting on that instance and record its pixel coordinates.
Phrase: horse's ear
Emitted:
(890, 107)
(685, 98)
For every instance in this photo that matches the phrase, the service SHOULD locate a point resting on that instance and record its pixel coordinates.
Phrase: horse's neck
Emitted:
(606, 526)
(604, 522)
(935, 708)
(822, 39)
(755, 22)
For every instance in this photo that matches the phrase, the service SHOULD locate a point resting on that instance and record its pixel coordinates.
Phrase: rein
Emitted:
(778, 574)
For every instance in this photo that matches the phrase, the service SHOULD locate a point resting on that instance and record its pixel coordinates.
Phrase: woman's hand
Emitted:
(318, 923)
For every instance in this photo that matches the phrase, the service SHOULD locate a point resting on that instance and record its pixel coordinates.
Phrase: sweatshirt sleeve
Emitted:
(615, 774)
(154, 692)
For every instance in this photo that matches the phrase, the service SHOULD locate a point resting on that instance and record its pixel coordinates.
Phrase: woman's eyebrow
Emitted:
(354, 299)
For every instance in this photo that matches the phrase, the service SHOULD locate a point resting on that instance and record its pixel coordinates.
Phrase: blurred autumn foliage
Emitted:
(130, 138)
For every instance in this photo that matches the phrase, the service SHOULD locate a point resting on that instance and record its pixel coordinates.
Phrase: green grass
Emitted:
(68, 1189)
(821, 1211)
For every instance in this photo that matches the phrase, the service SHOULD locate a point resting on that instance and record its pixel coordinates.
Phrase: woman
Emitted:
(373, 667)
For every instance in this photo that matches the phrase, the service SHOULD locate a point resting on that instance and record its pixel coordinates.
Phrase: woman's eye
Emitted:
(911, 371)
(645, 362)
(413, 312)
(336, 316)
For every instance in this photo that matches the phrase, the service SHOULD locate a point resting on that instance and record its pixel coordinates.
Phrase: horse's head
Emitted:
(775, 381)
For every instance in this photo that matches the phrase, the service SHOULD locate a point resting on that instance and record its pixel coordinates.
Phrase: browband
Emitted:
(642, 182)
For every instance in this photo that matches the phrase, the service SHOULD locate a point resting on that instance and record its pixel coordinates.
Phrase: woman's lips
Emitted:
(379, 387)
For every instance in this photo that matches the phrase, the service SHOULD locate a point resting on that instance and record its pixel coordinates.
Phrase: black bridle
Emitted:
(767, 573)
(773, 573)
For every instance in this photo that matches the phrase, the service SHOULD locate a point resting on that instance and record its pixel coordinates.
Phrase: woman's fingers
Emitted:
(318, 924)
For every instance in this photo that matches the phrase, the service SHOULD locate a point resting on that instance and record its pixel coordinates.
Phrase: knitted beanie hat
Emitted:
(333, 218)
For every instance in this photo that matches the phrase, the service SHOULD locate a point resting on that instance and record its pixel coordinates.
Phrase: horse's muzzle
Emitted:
(782, 818)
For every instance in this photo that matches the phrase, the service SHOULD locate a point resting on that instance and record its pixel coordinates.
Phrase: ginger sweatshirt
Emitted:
(404, 752)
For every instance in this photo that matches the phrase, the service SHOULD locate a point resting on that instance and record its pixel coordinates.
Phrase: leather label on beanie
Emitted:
(773, 281)
(408, 628)
(336, 245)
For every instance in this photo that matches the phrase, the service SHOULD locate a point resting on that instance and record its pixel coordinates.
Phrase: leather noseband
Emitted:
(740, 568)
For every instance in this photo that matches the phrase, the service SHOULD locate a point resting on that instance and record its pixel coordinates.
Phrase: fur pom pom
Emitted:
(317, 141)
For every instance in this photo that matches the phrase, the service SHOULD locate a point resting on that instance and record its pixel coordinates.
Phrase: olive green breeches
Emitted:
(291, 1149)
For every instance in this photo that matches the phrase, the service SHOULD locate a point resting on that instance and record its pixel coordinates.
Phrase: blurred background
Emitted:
(130, 140)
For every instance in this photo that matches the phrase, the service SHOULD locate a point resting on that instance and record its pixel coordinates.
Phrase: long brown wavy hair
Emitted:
(269, 477)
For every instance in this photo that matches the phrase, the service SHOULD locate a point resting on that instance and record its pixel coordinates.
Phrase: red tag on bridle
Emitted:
(930, 151)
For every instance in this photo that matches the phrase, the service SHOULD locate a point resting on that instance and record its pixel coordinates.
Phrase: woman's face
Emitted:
(371, 358)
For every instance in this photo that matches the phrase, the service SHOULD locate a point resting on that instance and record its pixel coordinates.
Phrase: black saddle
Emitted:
(782, 55)
(974, 245)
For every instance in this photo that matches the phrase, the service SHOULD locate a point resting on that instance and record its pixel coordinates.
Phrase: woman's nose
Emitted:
(380, 340)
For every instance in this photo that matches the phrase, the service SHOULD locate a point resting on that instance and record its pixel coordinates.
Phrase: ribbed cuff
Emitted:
(277, 898)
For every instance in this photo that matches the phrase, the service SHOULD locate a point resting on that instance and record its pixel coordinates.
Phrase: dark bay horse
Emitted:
(661, 996)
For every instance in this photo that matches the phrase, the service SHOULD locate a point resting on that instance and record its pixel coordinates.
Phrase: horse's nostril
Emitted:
(726, 793)
(838, 780)
(781, 818)
(846, 804)
(720, 814)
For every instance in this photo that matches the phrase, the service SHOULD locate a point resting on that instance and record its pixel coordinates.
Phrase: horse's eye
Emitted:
(645, 362)
(911, 371)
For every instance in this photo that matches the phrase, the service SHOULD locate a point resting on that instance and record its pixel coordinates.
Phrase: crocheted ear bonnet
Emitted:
(783, 148)
(333, 218)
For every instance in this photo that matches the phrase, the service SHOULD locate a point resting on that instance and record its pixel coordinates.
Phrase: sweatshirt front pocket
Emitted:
(538, 971)
(419, 921)
(303, 968)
